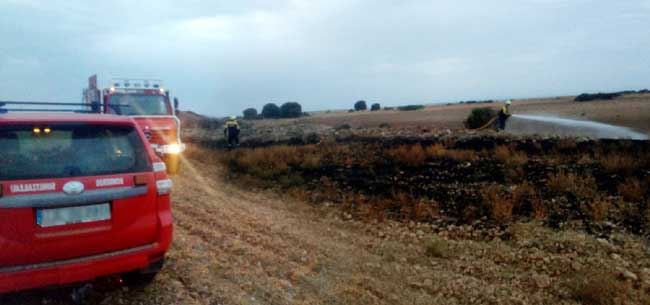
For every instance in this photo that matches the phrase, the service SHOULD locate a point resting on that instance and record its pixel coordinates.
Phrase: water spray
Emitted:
(556, 126)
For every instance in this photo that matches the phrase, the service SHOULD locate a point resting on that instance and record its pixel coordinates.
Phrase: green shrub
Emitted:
(360, 105)
(375, 107)
(270, 111)
(250, 114)
(479, 117)
(290, 110)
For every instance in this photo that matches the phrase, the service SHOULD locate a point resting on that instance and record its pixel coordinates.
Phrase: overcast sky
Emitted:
(220, 57)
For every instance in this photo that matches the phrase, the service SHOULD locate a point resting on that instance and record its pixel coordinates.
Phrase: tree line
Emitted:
(294, 110)
(273, 111)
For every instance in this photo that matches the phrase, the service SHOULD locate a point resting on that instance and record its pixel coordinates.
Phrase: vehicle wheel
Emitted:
(143, 277)
(173, 163)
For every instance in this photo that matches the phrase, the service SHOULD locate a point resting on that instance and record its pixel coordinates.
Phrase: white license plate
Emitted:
(72, 215)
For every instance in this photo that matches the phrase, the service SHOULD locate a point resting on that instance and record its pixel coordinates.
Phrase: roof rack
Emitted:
(90, 108)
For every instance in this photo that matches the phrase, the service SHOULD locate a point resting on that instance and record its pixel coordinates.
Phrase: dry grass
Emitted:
(585, 159)
(418, 209)
(440, 152)
(413, 155)
(598, 208)
(617, 162)
(565, 145)
(523, 200)
(598, 287)
(528, 201)
(500, 204)
(632, 190)
(510, 156)
(437, 247)
(513, 161)
(570, 183)
(311, 161)
(424, 210)
(514, 174)
(276, 161)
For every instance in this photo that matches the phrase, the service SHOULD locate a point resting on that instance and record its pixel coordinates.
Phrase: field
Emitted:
(632, 111)
(406, 208)
(629, 111)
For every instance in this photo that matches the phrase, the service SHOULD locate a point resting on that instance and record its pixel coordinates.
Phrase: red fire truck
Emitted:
(148, 103)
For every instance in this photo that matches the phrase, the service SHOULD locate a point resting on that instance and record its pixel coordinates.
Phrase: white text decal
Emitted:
(109, 182)
(33, 187)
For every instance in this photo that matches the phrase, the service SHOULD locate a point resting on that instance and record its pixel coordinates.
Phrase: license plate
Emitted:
(72, 215)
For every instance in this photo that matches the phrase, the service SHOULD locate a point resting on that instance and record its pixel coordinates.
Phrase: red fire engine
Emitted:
(148, 103)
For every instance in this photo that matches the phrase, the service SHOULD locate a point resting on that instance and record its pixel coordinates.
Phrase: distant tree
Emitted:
(271, 111)
(585, 97)
(360, 105)
(375, 107)
(290, 110)
(410, 107)
(250, 114)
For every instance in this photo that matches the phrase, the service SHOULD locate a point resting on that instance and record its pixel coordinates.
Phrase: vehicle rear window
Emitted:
(70, 150)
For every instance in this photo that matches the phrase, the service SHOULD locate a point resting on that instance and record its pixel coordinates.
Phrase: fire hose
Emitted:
(486, 125)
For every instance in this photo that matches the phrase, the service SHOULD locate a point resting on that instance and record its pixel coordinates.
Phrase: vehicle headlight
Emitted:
(173, 149)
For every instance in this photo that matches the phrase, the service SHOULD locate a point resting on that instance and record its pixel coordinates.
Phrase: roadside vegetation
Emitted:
(571, 219)
(558, 182)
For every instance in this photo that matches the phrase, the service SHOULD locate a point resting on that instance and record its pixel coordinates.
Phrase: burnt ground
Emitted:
(348, 168)
(246, 245)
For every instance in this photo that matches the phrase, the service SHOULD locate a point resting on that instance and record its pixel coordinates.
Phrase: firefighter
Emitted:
(504, 114)
(231, 131)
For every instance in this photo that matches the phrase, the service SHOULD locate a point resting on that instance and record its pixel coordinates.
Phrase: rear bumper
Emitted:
(81, 269)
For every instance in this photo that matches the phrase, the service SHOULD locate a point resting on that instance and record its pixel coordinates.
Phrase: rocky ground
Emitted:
(235, 245)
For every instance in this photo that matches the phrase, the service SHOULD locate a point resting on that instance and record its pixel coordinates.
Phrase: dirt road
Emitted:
(237, 246)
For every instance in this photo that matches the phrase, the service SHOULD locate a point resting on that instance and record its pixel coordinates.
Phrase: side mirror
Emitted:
(175, 104)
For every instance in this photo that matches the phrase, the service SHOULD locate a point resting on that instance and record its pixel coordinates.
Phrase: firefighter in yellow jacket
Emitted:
(504, 114)
(231, 131)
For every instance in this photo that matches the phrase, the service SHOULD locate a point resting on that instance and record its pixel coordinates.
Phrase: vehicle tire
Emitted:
(173, 163)
(143, 277)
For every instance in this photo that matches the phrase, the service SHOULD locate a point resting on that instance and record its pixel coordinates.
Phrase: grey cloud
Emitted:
(227, 55)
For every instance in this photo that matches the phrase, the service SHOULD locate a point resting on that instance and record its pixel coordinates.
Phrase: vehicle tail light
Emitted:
(164, 186)
(0, 190)
(159, 167)
(140, 180)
